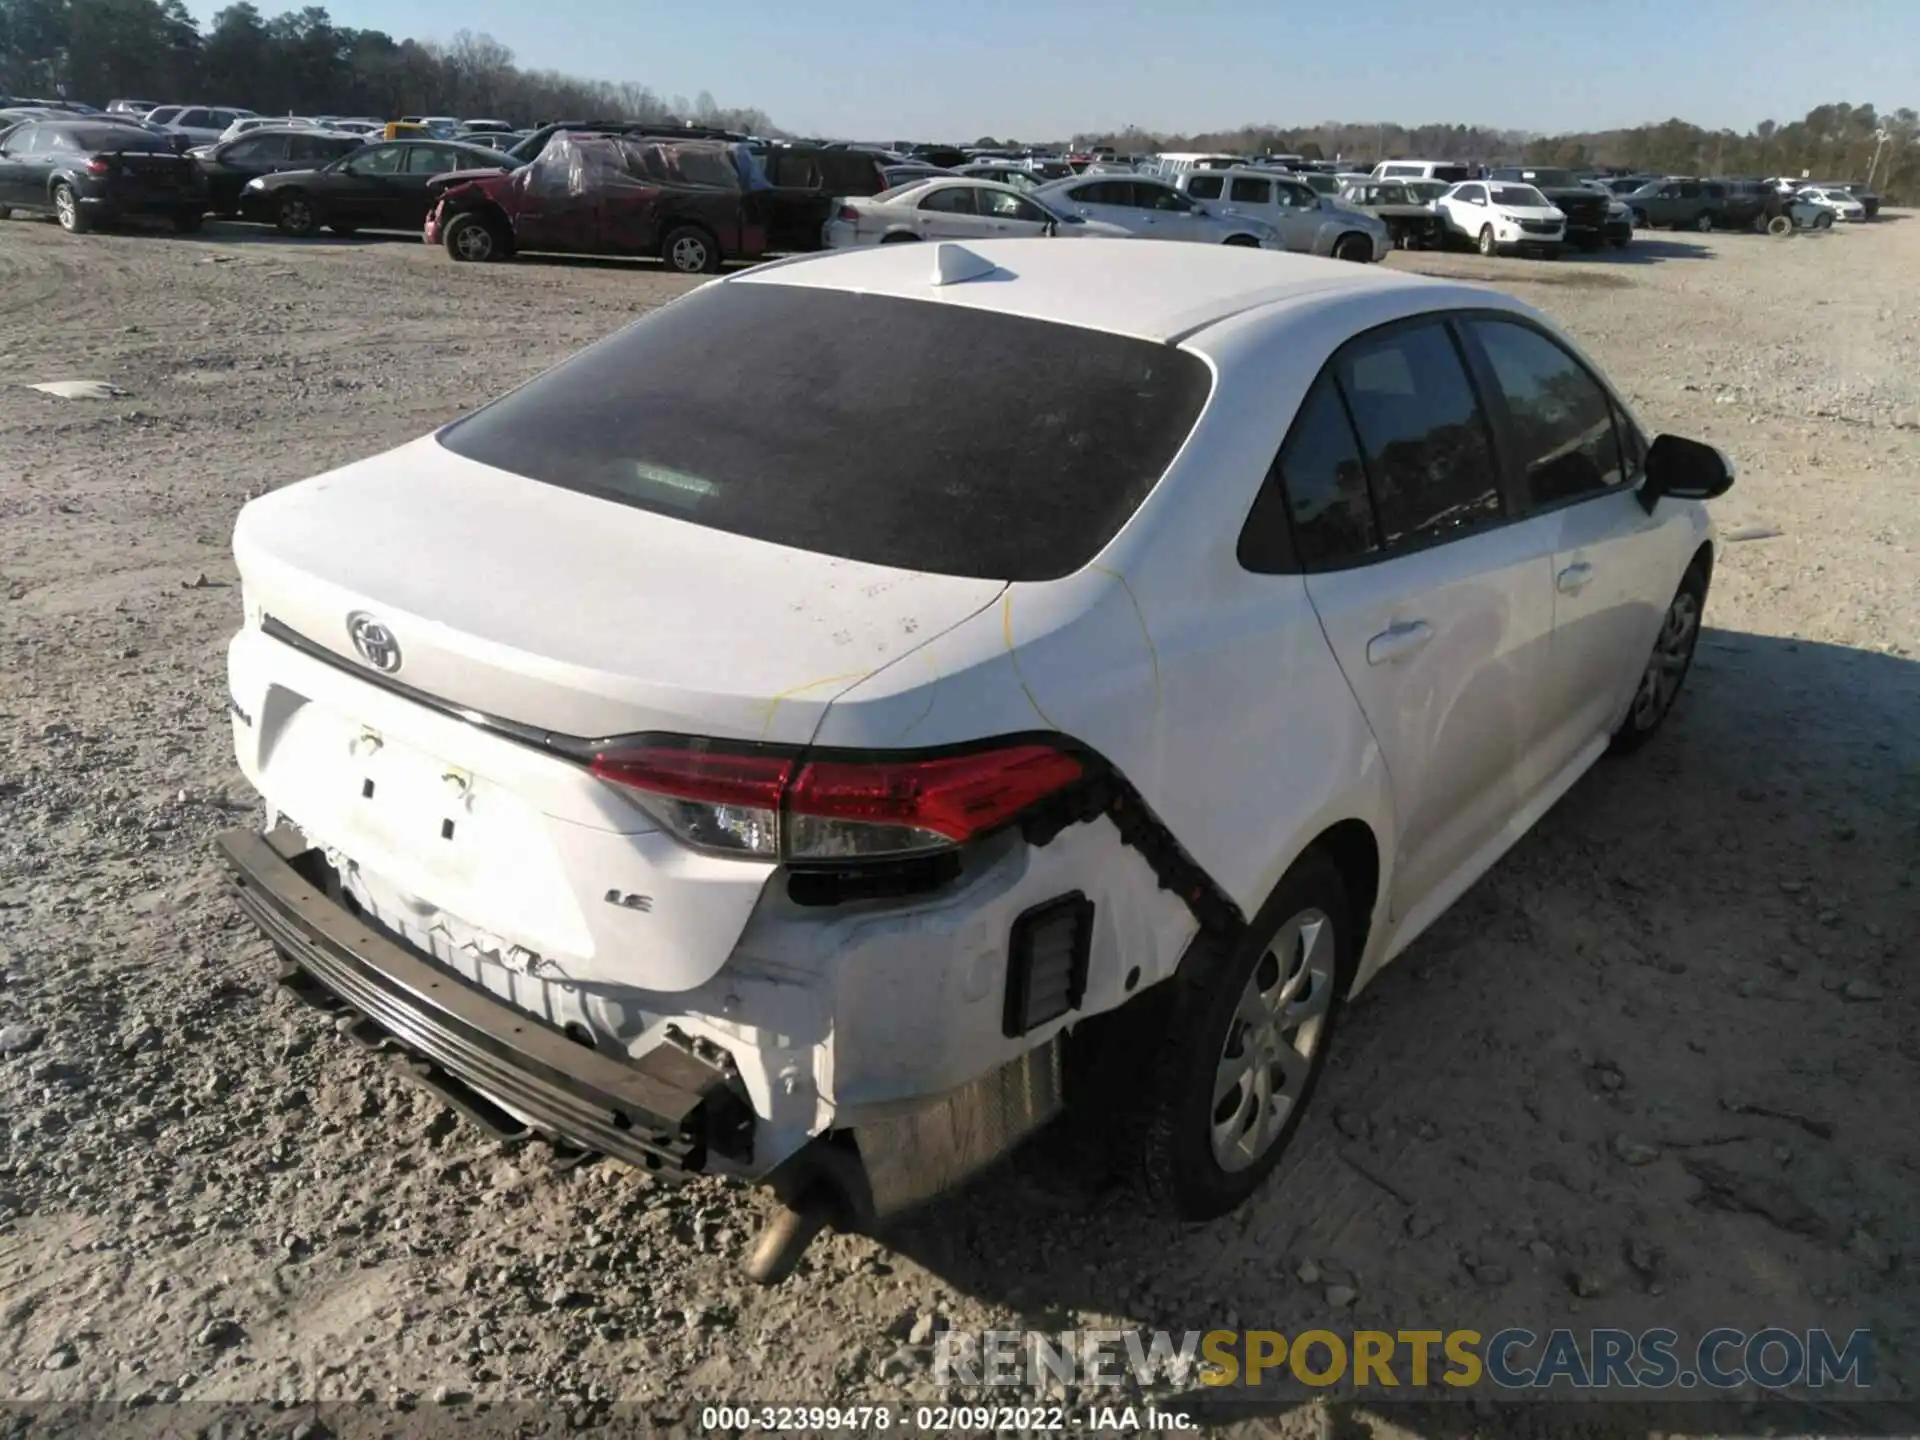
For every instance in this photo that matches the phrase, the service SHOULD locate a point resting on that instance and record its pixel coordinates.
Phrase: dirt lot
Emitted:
(1658, 1068)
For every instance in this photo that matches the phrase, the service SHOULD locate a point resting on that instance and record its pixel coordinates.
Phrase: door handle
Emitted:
(1573, 579)
(1397, 642)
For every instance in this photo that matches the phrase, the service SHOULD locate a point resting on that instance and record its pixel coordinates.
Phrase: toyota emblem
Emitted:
(374, 642)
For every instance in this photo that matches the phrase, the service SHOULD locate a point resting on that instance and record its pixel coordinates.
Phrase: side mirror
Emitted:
(1684, 469)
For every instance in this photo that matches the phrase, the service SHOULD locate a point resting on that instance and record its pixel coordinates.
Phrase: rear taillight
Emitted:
(99, 165)
(775, 806)
(849, 214)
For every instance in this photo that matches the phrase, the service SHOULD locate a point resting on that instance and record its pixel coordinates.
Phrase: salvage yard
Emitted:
(1657, 1069)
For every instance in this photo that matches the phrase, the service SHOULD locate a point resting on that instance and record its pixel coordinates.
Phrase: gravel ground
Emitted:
(1656, 1069)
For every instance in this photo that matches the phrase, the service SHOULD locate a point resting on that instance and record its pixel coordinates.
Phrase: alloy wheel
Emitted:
(475, 242)
(1672, 653)
(1273, 1041)
(66, 209)
(689, 254)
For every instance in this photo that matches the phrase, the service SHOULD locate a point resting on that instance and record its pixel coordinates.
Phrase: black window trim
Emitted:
(1283, 550)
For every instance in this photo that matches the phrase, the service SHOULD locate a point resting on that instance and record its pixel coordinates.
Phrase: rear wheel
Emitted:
(475, 238)
(1823, 221)
(5, 212)
(1354, 247)
(1667, 667)
(1245, 1045)
(691, 251)
(1640, 220)
(1779, 225)
(1488, 245)
(1705, 221)
(67, 211)
(294, 215)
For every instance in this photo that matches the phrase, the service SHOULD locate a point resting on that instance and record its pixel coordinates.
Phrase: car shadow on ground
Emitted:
(1644, 251)
(1535, 1116)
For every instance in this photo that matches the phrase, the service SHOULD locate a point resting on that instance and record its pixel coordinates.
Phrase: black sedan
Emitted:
(84, 172)
(378, 187)
(229, 165)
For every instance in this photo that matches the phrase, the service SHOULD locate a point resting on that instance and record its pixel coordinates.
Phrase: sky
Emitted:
(1043, 69)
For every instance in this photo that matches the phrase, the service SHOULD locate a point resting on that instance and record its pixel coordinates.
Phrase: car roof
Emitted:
(1155, 291)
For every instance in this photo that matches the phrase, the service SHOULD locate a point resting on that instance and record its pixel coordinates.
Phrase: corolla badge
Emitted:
(374, 642)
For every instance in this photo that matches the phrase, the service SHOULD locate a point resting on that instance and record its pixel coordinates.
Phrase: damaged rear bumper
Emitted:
(658, 1113)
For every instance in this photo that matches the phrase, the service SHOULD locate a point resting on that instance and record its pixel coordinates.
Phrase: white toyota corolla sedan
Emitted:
(806, 735)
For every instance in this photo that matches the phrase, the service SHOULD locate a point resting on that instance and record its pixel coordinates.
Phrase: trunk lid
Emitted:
(563, 612)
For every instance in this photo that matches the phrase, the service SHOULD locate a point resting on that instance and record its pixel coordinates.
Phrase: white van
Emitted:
(1179, 163)
(1450, 171)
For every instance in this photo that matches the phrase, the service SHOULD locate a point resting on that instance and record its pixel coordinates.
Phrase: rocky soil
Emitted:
(1658, 1068)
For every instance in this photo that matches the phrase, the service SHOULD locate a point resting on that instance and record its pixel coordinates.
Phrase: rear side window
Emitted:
(1317, 492)
(1422, 432)
(950, 200)
(1248, 191)
(849, 425)
(1561, 419)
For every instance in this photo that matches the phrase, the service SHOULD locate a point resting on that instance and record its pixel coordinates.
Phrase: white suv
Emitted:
(818, 791)
(1497, 216)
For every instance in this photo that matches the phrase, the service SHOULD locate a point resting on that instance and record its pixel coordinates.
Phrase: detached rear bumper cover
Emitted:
(646, 1112)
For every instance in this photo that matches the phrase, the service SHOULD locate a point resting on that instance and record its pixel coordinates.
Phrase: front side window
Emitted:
(385, 160)
(1004, 206)
(431, 160)
(1473, 194)
(1429, 459)
(1562, 420)
(1204, 187)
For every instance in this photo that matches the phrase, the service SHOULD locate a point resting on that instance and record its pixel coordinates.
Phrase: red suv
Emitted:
(684, 201)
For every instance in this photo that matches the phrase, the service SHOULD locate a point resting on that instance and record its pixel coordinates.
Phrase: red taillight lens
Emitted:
(708, 798)
(849, 214)
(772, 806)
(99, 165)
(837, 807)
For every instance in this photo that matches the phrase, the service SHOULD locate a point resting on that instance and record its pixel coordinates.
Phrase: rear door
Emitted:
(1575, 457)
(1443, 629)
(405, 206)
(1171, 215)
(950, 212)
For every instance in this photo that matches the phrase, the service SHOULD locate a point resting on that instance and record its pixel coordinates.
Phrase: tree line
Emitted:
(1832, 142)
(301, 63)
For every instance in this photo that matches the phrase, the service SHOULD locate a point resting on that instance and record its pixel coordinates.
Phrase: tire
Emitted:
(293, 215)
(899, 238)
(1196, 1161)
(6, 212)
(1621, 242)
(1354, 247)
(345, 232)
(1591, 245)
(1640, 220)
(691, 251)
(1779, 226)
(1245, 242)
(188, 222)
(1667, 666)
(476, 239)
(1487, 244)
(1823, 221)
(67, 210)
(1705, 221)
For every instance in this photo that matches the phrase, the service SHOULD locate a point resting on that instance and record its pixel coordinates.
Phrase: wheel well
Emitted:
(1242, 239)
(1356, 855)
(487, 210)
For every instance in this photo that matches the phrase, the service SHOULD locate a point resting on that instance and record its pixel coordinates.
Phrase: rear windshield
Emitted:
(897, 432)
(116, 137)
